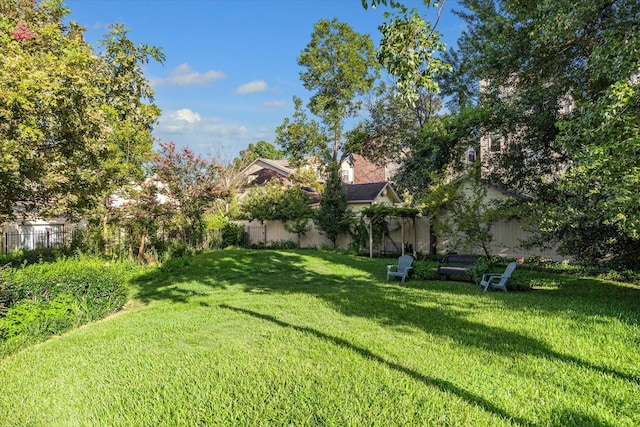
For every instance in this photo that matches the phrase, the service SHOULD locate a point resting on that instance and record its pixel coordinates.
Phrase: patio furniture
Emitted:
(402, 269)
(455, 264)
(498, 281)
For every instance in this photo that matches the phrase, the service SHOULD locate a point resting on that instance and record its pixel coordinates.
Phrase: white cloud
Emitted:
(184, 75)
(275, 104)
(179, 122)
(252, 87)
(207, 135)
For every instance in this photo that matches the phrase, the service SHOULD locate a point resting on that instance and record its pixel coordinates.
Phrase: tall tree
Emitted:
(69, 119)
(339, 67)
(260, 149)
(560, 82)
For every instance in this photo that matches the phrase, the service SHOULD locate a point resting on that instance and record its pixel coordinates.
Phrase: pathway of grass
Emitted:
(318, 338)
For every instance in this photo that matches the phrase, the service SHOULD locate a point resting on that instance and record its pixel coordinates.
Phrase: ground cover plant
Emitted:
(283, 337)
(47, 298)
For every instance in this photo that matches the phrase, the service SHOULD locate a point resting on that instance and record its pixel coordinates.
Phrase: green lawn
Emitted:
(245, 338)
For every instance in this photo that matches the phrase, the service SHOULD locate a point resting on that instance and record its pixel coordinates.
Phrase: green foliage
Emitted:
(465, 218)
(74, 125)
(424, 270)
(560, 85)
(101, 287)
(191, 184)
(408, 52)
(331, 217)
(39, 319)
(234, 235)
(50, 298)
(260, 149)
(339, 67)
(479, 268)
(291, 205)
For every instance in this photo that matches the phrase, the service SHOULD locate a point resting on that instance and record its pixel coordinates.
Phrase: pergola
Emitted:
(374, 213)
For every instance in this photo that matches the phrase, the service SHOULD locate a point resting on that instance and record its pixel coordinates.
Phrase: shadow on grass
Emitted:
(358, 291)
(443, 385)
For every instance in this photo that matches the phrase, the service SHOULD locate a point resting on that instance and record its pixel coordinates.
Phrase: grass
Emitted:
(311, 338)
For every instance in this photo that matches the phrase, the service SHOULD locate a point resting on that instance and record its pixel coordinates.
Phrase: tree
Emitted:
(72, 124)
(339, 67)
(408, 49)
(331, 217)
(291, 205)
(260, 149)
(465, 218)
(560, 85)
(190, 182)
(140, 215)
(392, 126)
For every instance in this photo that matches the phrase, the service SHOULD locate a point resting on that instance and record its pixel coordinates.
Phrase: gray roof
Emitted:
(367, 192)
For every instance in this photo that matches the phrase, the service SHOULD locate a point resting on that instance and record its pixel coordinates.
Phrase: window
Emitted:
(471, 155)
(495, 144)
(345, 175)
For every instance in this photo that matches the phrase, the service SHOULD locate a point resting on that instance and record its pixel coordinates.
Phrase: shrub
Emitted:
(424, 270)
(45, 299)
(478, 269)
(100, 286)
(234, 235)
(283, 244)
(523, 280)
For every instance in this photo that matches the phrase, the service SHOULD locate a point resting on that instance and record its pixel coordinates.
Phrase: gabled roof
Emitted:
(280, 167)
(369, 192)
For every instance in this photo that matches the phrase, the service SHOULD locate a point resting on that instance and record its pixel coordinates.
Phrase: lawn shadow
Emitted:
(360, 294)
(441, 384)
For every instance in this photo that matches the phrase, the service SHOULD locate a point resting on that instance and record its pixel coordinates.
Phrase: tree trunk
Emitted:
(143, 239)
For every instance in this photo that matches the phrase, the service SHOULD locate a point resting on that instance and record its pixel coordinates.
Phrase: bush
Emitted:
(478, 269)
(234, 235)
(283, 244)
(45, 299)
(523, 280)
(424, 270)
(21, 257)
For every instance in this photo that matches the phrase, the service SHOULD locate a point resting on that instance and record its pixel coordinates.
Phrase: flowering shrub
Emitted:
(22, 32)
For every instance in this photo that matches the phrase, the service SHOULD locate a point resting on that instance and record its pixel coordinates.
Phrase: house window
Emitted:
(495, 144)
(471, 155)
(345, 175)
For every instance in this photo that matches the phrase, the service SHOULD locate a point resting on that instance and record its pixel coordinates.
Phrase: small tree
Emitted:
(191, 182)
(469, 218)
(291, 205)
(296, 211)
(140, 216)
(332, 214)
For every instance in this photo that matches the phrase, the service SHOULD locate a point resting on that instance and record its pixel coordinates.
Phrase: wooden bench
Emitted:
(455, 264)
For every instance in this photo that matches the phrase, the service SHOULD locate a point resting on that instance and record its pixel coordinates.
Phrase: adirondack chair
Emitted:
(402, 269)
(498, 281)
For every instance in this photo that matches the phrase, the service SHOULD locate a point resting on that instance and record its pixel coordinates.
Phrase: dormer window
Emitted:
(345, 175)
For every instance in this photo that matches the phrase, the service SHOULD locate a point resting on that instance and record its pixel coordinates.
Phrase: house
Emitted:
(360, 196)
(355, 169)
(29, 231)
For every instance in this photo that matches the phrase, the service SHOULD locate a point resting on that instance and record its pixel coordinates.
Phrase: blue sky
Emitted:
(231, 65)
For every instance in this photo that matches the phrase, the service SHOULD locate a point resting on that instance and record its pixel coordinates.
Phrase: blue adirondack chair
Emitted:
(402, 269)
(498, 281)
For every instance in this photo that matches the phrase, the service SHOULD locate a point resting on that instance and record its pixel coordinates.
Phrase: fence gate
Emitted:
(257, 234)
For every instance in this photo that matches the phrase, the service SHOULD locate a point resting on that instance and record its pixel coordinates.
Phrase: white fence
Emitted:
(507, 238)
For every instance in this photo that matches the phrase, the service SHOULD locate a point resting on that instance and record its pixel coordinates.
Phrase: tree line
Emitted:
(552, 84)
